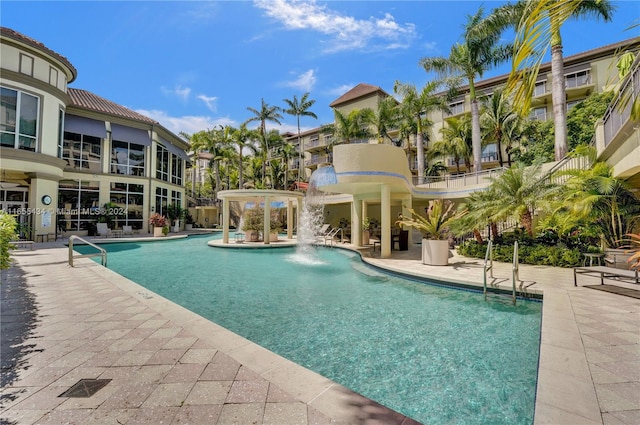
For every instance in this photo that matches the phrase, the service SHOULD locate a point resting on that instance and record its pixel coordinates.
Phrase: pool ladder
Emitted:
(488, 267)
(102, 252)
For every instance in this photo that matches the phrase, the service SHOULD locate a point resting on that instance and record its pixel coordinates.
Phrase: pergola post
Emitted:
(289, 219)
(356, 221)
(225, 220)
(385, 218)
(266, 232)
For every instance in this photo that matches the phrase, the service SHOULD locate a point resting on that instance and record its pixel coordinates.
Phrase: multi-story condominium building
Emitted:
(66, 153)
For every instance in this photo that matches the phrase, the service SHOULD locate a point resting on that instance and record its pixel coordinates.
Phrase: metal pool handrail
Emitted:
(102, 253)
(515, 269)
(488, 257)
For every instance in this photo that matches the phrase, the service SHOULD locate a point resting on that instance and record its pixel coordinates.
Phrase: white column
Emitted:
(289, 219)
(356, 221)
(266, 230)
(385, 218)
(406, 204)
(225, 220)
(298, 214)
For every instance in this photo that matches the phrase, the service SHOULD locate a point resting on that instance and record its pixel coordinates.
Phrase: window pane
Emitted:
(8, 105)
(28, 114)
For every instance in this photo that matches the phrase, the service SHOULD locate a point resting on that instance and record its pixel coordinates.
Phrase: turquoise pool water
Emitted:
(436, 354)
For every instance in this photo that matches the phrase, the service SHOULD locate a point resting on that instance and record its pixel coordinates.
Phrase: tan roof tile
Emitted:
(360, 90)
(87, 100)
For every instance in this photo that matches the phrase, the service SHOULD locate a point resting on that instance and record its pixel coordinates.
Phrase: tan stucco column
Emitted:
(385, 218)
(289, 219)
(225, 220)
(298, 215)
(406, 204)
(356, 221)
(266, 230)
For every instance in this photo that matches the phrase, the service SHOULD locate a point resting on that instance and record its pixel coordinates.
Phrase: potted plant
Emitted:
(253, 223)
(175, 213)
(435, 230)
(275, 226)
(366, 231)
(158, 222)
(188, 220)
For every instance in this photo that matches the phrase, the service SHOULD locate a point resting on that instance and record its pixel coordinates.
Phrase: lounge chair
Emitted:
(103, 229)
(332, 236)
(324, 230)
(127, 230)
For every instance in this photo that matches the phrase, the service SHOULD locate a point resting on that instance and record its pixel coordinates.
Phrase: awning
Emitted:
(129, 134)
(174, 150)
(82, 125)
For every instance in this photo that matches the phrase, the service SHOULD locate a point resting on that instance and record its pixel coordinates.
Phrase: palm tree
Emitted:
(537, 31)
(242, 137)
(415, 106)
(286, 151)
(266, 113)
(300, 109)
(478, 53)
(499, 122)
(216, 142)
(385, 118)
(456, 141)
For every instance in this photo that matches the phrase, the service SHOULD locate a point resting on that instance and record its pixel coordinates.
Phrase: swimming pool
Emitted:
(436, 354)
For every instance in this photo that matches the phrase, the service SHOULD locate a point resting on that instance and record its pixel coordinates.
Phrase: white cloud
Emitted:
(340, 90)
(189, 124)
(304, 82)
(346, 32)
(210, 101)
(179, 91)
(431, 46)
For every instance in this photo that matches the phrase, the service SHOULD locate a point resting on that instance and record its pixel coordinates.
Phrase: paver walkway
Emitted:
(170, 366)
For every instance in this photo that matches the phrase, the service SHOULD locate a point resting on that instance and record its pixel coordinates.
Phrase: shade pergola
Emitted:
(261, 196)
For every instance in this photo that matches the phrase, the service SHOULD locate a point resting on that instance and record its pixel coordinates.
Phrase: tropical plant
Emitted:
(286, 151)
(582, 118)
(499, 122)
(242, 137)
(300, 109)
(385, 117)
(538, 30)
(262, 115)
(174, 212)
(440, 216)
(634, 250)
(478, 53)
(157, 220)
(215, 142)
(456, 141)
(414, 108)
(8, 233)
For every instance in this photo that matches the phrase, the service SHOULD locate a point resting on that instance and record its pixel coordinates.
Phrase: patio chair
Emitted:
(103, 229)
(127, 230)
(332, 236)
(324, 230)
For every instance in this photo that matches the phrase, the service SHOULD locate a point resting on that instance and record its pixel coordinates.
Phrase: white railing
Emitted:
(459, 180)
(488, 266)
(102, 252)
(616, 116)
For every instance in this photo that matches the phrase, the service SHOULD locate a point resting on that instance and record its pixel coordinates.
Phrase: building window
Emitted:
(540, 88)
(578, 79)
(79, 204)
(19, 120)
(127, 158)
(60, 132)
(456, 108)
(162, 200)
(489, 153)
(176, 198)
(130, 198)
(176, 170)
(162, 163)
(572, 103)
(82, 152)
(539, 114)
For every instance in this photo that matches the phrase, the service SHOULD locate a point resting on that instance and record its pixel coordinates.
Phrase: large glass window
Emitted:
(176, 198)
(176, 170)
(19, 119)
(162, 200)
(456, 108)
(578, 79)
(130, 198)
(78, 203)
(127, 158)
(82, 152)
(540, 88)
(539, 114)
(162, 163)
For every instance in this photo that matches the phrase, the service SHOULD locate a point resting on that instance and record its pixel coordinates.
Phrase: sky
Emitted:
(194, 65)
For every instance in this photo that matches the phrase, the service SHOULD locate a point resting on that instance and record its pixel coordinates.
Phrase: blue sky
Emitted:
(193, 65)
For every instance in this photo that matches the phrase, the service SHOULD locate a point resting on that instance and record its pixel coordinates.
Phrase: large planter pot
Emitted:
(365, 237)
(157, 232)
(273, 237)
(252, 235)
(435, 252)
(188, 226)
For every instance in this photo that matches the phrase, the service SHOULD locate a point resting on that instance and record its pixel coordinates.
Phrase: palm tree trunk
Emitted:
(420, 155)
(240, 174)
(499, 143)
(476, 140)
(494, 229)
(558, 90)
(478, 236)
(527, 222)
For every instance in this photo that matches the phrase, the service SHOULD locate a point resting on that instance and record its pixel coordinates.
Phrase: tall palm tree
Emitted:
(385, 118)
(537, 31)
(286, 151)
(300, 109)
(479, 52)
(242, 137)
(499, 122)
(456, 141)
(264, 114)
(415, 106)
(216, 142)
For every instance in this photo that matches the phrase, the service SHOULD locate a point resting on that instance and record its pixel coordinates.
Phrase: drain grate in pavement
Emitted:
(85, 388)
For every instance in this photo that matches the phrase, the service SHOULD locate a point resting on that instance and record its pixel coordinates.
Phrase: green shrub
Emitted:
(8, 233)
(528, 252)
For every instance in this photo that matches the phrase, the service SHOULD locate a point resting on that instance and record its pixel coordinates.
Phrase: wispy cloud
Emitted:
(189, 123)
(304, 82)
(345, 32)
(178, 91)
(340, 90)
(210, 101)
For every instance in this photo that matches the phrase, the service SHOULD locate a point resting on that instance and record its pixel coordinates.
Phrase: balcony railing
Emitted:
(458, 181)
(617, 116)
(318, 159)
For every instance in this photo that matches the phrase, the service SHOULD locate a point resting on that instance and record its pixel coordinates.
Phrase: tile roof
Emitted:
(87, 100)
(15, 35)
(360, 90)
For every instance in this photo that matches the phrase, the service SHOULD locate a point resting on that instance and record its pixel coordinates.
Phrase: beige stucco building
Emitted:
(65, 153)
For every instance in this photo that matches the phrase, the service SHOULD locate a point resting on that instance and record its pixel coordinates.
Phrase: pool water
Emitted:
(435, 354)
